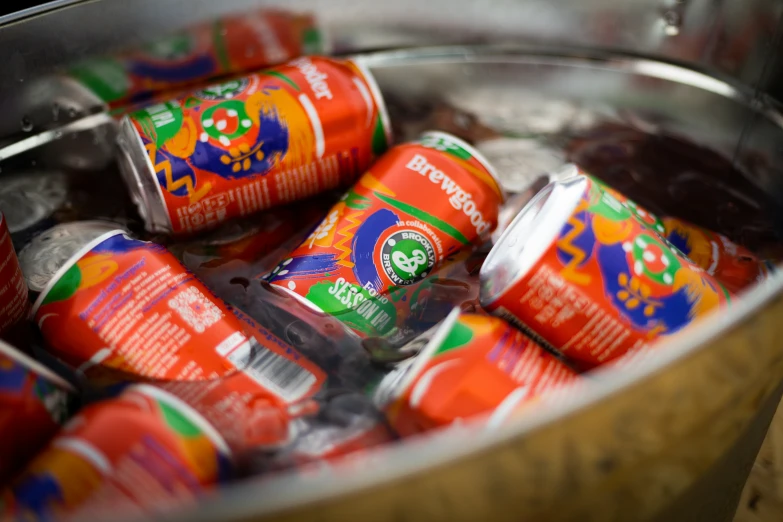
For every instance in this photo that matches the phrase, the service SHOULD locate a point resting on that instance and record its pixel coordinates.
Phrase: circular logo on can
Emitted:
(407, 256)
(223, 91)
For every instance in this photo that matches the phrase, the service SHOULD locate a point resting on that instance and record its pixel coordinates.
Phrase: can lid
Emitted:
(494, 179)
(53, 251)
(139, 175)
(31, 197)
(35, 367)
(396, 383)
(529, 236)
(377, 97)
(181, 406)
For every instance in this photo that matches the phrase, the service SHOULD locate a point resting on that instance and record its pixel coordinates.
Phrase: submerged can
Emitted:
(580, 271)
(140, 454)
(252, 143)
(34, 402)
(227, 45)
(472, 365)
(13, 291)
(422, 202)
(123, 310)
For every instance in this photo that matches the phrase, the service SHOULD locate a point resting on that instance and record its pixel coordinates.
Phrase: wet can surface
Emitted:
(122, 310)
(421, 203)
(224, 46)
(163, 455)
(263, 140)
(472, 365)
(13, 291)
(579, 270)
(34, 402)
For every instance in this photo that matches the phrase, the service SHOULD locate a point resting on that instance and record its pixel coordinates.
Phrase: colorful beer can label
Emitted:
(473, 365)
(126, 310)
(34, 402)
(263, 140)
(421, 203)
(731, 264)
(14, 303)
(578, 269)
(228, 45)
(141, 453)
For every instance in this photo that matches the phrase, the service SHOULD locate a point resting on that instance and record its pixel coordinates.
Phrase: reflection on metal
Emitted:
(38, 140)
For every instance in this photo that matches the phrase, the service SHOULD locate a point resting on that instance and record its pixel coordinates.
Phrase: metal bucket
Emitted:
(667, 436)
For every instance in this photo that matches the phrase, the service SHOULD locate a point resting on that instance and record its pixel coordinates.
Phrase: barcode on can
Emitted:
(282, 376)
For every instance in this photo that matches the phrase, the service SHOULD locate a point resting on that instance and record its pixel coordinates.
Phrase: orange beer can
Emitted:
(578, 270)
(731, 264)
(472, 365)
(34, 402)
(139, 454)
(14, 303)
(259, 141)
(416, 207)
(122, 310)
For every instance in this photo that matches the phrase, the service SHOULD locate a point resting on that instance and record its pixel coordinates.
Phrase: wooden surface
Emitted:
(762, 498)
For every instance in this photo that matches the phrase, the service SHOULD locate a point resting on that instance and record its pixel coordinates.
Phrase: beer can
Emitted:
(577, 269)
(266, 139)
(139, 454)
(227, 45)
(34, 402)
(422, 202)
(13, 291)
(731, 264)
(472, 365)
(123, 310)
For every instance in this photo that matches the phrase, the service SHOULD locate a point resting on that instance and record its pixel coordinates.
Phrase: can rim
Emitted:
(34, 366)
(413, 371)
(193, 415)
(540, 238)
(153, 210)
(377, 96)
(69, 264)
(476, 154)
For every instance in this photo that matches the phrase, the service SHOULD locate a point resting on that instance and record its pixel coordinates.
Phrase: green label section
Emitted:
(354, 306)
(459, 336)
(426, 217)
(160, 122)
(178, 422)
(106, 78)
(65, 287)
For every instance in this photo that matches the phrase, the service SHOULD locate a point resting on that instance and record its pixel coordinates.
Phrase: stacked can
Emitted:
(472, 365)
(263, 140)
(118, 309)
(580, 271)
(34, 402)
(13, 292)
(142, 453)
(420, 204)
(224, 46)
